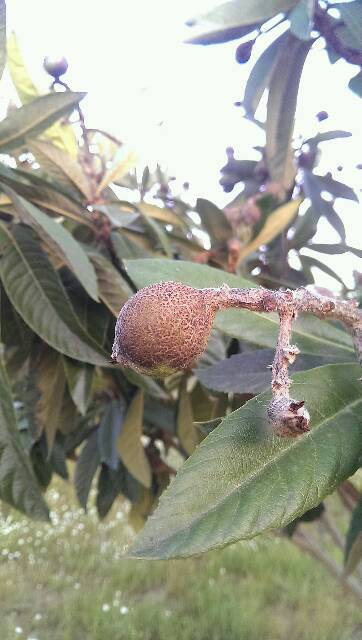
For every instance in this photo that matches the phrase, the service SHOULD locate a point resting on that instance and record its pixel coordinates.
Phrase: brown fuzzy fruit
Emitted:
(164, 328)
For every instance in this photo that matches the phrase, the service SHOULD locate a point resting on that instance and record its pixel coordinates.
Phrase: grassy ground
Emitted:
(69, 582)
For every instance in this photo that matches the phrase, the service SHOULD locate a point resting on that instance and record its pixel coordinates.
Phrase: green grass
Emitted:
(69, 582)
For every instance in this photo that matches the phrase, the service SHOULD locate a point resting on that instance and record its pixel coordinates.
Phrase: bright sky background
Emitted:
(173, 102)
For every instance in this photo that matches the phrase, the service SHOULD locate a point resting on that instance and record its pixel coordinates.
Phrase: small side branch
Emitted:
(287, 416)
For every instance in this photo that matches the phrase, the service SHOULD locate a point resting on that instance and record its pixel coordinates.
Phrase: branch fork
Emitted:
(287, 416)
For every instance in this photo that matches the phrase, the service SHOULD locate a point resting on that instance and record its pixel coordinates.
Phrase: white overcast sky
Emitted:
(173, 102)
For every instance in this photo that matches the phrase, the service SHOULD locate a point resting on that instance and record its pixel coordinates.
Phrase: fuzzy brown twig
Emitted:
(287, 416)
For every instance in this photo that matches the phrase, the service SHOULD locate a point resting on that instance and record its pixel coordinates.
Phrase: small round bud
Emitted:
(56, 67)
(243, 52)
(322, 115)
(163, 328)
(288, 417)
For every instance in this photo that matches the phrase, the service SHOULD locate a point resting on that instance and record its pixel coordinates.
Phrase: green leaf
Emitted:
(313, 188)
(222, 35)
(259, 77)
(108, 432)
(336, 188)
(186, 432)
(35, 117)
(130, 447)
(214, 221)
(248, 372)
(301, 19)
(275, 223)
(351, 14)
(261, 329)
(237, 13)
(353, 551)
(2, 36)
(328, 135)
(51, 385)
(35, 290)
(79, 376)
(242, 480)
(125, 248)
(60, 240)
(85, 469)
(61, 167)
(114, 291)
(18, 486)
(355, 84)
(282, 101)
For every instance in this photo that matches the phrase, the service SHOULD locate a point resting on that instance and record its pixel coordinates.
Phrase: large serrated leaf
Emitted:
(60, 240)
(35, 117)
(85, 470)
(35, 290)
(79, 376)
(320, 338)
(282, 101)
(242, 480)
(18, 485)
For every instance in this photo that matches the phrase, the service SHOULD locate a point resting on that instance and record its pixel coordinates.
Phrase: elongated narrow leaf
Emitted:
(114, 291)
(319, 338)
(61, 241)
(163, 215)
(275, 223)
(79, 376)
(108, 433)
(122, 164)
(186, 432)
(2, 36)
(241, 480)
(259, 77)
(34, 288)
(236, 13)
(85, 470)
(214, 221)
(25, 87)
(282, 101)
(249, 372)
(130, 447)
(336, 188)
(61, 166)
(35, 117)
(222, 35)
(18, 486)
(325, 136)
(301, 19)
(355, 84)
(353, 552)
(51, 385)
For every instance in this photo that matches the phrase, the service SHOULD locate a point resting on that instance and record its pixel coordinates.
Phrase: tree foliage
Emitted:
(81, 230)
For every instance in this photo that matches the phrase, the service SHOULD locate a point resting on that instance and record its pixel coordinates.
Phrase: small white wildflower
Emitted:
(124, 610)
(105, 607)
